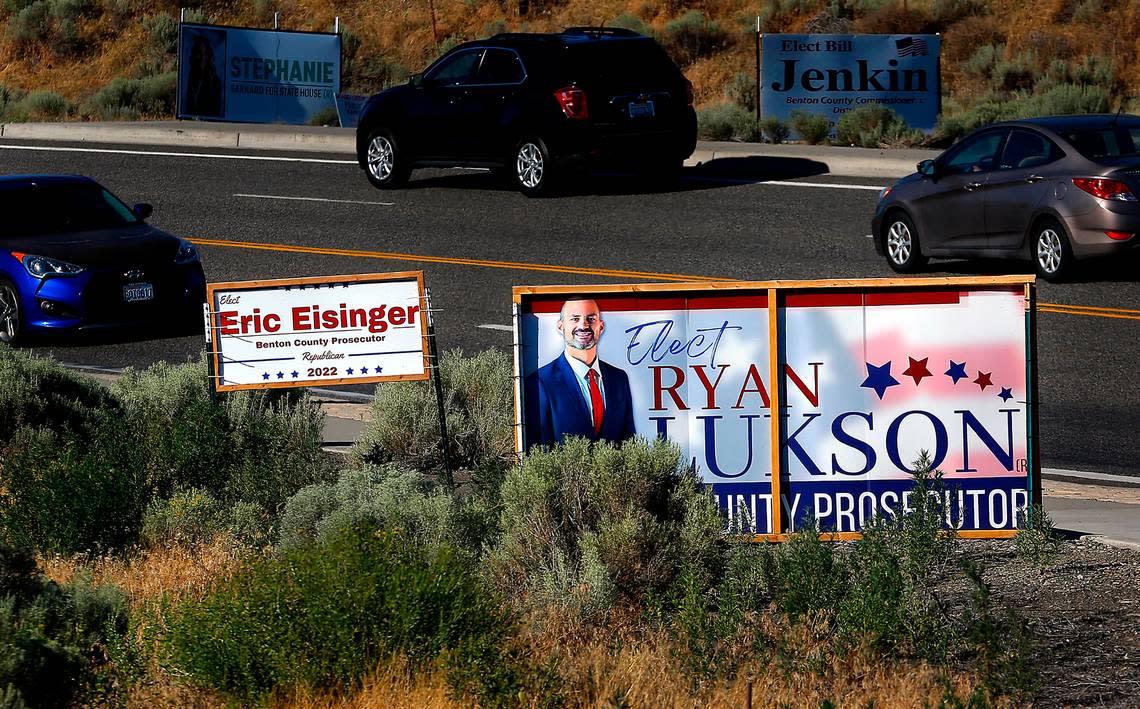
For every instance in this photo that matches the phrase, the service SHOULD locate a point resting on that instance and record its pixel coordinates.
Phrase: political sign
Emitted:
(828, 75)
(256, 76)
(295, 332)
(866, 377)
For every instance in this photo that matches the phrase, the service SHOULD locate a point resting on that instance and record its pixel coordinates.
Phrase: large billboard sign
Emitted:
(256, 76)
(298, 332)
(829, 75)
(864, 375)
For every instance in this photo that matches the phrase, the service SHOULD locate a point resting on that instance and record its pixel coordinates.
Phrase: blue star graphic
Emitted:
(294, 374)
(377, 370)
(281, 375)
(879, 378)
(364, 370)
(1006, 394)
(265, 376)
(957, 371)
(349, 370)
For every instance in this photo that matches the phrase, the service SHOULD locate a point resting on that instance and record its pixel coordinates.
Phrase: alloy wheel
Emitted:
(9, 314)
(900, 243)
(1049, 250)
(529, 165)
(381, 157)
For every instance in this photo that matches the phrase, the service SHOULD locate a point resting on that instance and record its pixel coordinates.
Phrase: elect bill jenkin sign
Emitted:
(829, 75)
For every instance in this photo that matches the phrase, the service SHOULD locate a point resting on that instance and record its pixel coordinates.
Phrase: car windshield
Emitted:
(1118, 142)
(55, 208)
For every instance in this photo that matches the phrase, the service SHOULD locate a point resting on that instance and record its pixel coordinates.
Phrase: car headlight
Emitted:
(40, 266)
(187, 252)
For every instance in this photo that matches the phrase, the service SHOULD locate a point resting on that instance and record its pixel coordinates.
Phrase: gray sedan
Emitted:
(1053, 189)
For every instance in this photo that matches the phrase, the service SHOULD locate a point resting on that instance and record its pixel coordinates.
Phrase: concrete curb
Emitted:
(848, 162)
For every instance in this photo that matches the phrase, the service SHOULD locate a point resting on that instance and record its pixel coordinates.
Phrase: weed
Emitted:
(1037, 540)
(875, 126)
(1002, 643)
(726, 121)
(774, 130)
(691, 37)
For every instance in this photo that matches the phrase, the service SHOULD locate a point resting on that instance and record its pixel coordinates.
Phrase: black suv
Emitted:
(538, 106)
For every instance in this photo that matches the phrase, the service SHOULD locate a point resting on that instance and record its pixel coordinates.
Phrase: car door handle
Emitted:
(971, 186)
(1034, 178)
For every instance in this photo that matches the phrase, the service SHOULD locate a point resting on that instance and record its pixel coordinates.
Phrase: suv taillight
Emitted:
(1103, 188)
(689, 92)
(573, 102)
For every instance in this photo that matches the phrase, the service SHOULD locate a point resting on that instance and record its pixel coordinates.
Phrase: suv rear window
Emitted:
(642, 59)
(1106, 142)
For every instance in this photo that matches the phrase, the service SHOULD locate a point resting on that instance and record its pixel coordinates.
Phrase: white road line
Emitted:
(313, 199)
(167, 154)
(504, 328)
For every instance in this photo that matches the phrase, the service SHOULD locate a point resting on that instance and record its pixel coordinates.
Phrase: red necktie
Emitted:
(596, 401)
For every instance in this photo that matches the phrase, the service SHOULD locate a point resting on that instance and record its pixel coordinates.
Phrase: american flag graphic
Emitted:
(912, 47)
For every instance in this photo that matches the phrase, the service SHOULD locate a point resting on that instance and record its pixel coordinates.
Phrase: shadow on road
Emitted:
(715, 174)
(1120, 269)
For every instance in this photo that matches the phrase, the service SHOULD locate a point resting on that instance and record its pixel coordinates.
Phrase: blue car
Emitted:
(75, 259)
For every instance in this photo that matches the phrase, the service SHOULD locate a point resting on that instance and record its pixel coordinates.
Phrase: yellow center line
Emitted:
(1062, 308)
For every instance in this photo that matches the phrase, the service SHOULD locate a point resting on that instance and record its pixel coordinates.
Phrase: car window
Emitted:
(500, 66)
(1026, 149)
(977, 154)
(1113, 142)
(59, 208)
(456, 69)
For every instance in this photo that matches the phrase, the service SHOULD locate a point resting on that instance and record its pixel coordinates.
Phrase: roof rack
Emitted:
(601, 31)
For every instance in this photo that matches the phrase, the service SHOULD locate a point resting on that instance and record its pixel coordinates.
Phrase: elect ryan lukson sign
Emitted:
(830, 74)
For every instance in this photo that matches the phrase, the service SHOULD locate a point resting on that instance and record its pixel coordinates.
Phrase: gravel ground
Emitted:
(1084, 611)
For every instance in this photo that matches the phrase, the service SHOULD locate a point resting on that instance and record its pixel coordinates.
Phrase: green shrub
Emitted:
(386, 496)
(325, 117)
(587, 525)
(31, 25)
(774, 130)
(41, 105)
(692, 36)
(633, 23)
(127, 99)
(51, 635)
(982, 62)
(875, 126)
(1014, 74)
(479, 403)
(873, 608)
(257, 447)
(811, 128)
(1001, 642)
(322, 616)
(726, 121)
(37, 392)
(741, 91)
(67, 495)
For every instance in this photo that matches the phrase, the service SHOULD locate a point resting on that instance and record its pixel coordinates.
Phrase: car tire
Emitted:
(11, 319)
(900, 244)
(1052, 254)
(385, 163)
(532, 168)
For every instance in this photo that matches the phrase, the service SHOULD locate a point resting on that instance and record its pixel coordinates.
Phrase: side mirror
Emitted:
(928, 168)
(416, 80)
(142, 210)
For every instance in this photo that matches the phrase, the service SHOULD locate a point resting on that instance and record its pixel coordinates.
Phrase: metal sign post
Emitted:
(433, 355)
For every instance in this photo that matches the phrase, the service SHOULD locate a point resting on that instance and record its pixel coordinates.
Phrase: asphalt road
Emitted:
(474, 238)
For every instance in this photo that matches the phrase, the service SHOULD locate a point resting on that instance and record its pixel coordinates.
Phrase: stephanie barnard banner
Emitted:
(869, 375)
(829, 75)
(256, 76)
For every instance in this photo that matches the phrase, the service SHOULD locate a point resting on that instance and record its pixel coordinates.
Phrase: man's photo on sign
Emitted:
(204, 54)
(576, 393)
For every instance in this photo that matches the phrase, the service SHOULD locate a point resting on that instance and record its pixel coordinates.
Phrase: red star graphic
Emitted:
(917, 369)
(983, 380)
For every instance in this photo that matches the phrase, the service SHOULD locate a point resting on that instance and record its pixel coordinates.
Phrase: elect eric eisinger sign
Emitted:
(299, 332)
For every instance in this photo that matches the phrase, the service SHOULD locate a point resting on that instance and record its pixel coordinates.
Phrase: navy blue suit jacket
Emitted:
(555, 407)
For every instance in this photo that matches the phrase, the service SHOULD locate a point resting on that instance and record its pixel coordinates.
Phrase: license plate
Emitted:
(135, 292)
(641, 109)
